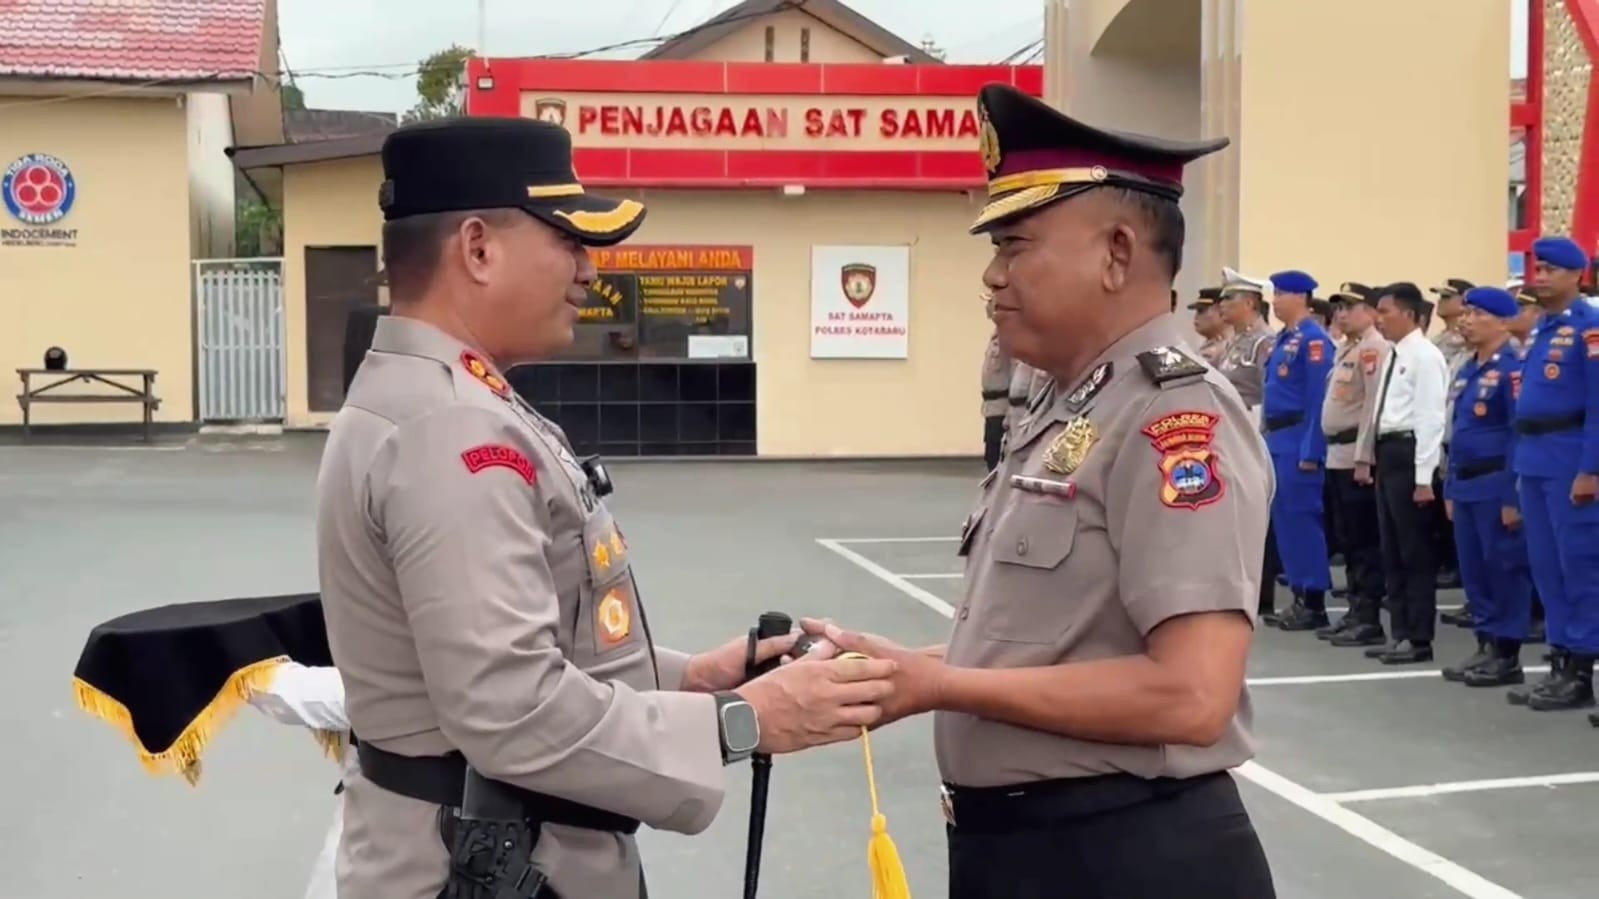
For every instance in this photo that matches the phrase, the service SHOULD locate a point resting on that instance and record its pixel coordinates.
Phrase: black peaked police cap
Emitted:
(168, 678)
(450, 165)
(1036, 155)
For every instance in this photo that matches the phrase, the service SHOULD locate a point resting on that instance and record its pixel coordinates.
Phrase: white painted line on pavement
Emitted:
(1421, 791)
(888, 540)
(888, 577)
(931, 576)
(1463, 880)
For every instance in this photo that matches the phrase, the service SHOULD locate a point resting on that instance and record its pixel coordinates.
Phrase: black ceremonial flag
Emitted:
(168, 678)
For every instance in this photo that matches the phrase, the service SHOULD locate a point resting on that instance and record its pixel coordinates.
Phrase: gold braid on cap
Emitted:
(1016, 202)
(625, 213)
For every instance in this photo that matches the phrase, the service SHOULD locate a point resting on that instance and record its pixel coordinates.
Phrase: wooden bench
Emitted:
(121, 393)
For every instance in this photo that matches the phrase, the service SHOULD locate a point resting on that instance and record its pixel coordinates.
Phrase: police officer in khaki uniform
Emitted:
(480, 599)
(1213, 331)
(1347, 416)
(1091, 698)
(997, 367)
(1243, 307)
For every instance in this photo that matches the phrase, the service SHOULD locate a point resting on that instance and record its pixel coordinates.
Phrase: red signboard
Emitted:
(661, 123)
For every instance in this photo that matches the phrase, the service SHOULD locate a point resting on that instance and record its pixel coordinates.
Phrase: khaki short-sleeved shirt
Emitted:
(1351, 401)
(479, 597)
(1138, 494)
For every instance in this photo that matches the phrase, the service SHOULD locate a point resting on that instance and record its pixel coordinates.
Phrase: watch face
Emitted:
(738, 724)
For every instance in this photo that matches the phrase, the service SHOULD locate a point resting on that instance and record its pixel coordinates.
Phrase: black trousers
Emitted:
(1329, 517)
(1445, 556)
(1195, 844)
(1271, 566)
(1405, 527)
(1356, 518)
(993, 433)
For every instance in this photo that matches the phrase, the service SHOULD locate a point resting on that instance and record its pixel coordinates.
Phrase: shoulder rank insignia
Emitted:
(477, 368)
(1068, 450)
(1166, 365)
(1090, 388)
(1189, 478)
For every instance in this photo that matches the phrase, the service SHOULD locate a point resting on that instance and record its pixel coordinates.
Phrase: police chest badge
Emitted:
(1070, 447)
(1189, 476)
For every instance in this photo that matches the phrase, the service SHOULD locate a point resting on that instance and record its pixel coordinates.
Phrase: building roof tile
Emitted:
(131, 40)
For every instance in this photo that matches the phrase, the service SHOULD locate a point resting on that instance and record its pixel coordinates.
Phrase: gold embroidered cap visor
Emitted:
(1036, 155)
(486, 162)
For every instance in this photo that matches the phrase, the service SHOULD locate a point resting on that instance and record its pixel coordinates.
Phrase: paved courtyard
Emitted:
(1370, 782)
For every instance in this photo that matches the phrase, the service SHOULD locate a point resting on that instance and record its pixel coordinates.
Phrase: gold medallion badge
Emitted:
(1069, 448)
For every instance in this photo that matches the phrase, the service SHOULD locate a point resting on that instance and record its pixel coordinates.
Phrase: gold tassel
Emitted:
(888, 872)
(183, 756)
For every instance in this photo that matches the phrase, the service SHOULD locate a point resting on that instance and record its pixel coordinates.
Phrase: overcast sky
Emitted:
(322, 38)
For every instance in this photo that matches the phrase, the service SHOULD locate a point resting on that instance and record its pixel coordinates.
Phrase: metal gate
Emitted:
(240, 359)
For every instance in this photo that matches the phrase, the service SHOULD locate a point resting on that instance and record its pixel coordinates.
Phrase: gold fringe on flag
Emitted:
(183, 756)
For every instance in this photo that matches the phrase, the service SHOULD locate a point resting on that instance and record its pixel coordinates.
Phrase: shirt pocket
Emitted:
(1028, 591)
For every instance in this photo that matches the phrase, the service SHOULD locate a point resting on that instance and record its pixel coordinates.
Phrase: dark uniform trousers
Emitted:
(1407, 541)
(1110, 837)
(1355, 517)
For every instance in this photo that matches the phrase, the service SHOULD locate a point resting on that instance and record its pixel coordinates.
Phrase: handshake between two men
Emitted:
(825, 694)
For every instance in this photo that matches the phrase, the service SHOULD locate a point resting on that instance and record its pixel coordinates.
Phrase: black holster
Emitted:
(491, 845)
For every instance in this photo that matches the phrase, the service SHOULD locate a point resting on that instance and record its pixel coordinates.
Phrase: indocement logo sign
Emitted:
(38, 190)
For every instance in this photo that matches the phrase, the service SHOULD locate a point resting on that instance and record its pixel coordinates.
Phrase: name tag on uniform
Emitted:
(1044, 486)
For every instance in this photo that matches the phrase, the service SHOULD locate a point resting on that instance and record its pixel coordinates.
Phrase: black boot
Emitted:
(1407, 652)
(1484, 653)
(1501, 670)
(1362, 635)
(1521, 695)
(1573, 691)
(1458, 618)
(1341, 626)
(1307, 614)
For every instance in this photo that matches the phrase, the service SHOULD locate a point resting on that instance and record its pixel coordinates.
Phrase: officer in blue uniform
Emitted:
(1557, 461)
(1480, 493)
(1296, 381)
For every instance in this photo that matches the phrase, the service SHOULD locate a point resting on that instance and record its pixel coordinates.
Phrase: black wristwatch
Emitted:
(739, 729)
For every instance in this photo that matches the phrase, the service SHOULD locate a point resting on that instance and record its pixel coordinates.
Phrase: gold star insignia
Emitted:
(602, 556)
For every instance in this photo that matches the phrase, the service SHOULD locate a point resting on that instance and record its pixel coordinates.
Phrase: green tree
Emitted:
(293, 97)
(439, 85)
(257, 229)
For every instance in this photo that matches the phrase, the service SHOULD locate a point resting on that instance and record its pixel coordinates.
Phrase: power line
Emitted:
(401, 71)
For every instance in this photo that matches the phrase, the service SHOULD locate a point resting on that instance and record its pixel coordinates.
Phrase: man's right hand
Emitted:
(800, 706)
(1362, 473)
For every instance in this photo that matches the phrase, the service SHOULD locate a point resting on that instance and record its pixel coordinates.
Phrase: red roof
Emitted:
(140, 40)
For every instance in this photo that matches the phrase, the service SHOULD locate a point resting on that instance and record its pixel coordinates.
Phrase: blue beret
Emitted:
(1492, 300)
(1294, 282)
(1561, 252)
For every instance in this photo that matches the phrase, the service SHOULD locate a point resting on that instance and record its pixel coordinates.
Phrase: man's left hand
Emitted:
(918, 679)
(1584, 489)
(722, 668)
(1309, 466)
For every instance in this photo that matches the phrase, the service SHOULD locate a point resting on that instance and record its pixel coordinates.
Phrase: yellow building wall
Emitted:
(325, 204)
(121, 297)
(925, 405)
(1392, 169)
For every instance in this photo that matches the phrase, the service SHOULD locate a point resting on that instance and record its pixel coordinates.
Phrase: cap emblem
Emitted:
(988, 141)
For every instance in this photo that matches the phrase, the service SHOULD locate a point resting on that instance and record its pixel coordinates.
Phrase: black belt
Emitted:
(996, 394)
(1279, 422)
(1479, 468)
(438, 779)
(1396, 435)
(1046, 803)
(1533, 427)
(1343, 437)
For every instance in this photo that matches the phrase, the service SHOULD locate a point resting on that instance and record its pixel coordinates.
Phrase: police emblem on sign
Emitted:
(859, 282)
(38, 189)
(550, 109)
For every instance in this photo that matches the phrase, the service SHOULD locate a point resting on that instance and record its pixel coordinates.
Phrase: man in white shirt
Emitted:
(1410, 428)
